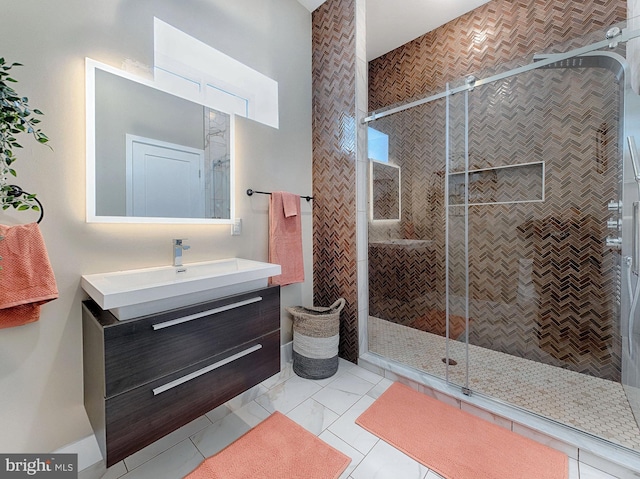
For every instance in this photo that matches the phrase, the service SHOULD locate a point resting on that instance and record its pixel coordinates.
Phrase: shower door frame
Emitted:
(630, 126)
(465, 389)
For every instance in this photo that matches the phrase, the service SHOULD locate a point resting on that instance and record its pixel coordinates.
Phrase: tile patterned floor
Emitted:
(588, 403)
(327, 407)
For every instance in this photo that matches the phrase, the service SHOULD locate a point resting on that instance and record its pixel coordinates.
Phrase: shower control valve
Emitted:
(614, 205)
(613, 224)
(614, 243)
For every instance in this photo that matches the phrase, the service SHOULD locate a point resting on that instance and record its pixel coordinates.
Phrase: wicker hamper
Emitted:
(316, 335)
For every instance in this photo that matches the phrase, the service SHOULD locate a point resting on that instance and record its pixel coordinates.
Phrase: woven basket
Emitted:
(316, 336)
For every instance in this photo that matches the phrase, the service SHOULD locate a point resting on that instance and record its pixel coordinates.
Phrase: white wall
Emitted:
(41, 405)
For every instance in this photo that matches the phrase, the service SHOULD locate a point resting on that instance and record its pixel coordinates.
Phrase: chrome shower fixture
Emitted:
(612, 33)
(470, 81)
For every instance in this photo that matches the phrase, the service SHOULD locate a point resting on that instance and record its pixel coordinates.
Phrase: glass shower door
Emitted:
(543, 164)
(502, 274)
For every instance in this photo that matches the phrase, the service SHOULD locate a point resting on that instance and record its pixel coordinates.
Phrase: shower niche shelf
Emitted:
(522, 183)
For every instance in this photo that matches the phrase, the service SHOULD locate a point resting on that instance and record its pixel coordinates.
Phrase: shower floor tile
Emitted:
(596, 406)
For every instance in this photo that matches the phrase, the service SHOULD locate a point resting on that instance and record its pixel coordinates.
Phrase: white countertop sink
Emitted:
(138, 292)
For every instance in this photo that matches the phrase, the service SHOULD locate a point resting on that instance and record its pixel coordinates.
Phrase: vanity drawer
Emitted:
(139, 417)
(141, 350)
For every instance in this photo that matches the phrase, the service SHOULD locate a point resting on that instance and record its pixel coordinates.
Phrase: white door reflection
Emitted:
(164, 180)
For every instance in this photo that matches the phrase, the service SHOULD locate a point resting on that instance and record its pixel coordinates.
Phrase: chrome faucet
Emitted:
(178, 247)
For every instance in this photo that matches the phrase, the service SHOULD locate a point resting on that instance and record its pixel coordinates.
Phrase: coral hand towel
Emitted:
(26, 277)
(285, 237)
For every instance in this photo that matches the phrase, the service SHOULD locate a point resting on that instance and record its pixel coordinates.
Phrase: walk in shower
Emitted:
(502, 236)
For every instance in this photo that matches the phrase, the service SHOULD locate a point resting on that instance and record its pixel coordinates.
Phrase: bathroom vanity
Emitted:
(147, 376)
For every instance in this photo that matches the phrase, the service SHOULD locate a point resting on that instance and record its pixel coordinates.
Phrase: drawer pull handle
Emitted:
(191, 317)
(200, 372)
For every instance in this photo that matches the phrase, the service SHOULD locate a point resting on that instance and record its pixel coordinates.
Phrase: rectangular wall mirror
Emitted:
(152, 156)
(385, 191)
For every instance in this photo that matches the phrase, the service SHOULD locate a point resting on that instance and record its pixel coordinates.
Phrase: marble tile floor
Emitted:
(591, 404)
(327, 407)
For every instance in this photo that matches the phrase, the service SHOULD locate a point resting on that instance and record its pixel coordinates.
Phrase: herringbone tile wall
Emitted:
(542, 285)
(334, 165)
(499, 32)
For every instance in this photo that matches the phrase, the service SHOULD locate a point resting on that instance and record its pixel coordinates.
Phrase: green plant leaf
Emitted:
(15, 118)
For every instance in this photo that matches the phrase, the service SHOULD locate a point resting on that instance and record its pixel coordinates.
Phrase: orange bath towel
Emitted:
(26, 277)
(285, 237)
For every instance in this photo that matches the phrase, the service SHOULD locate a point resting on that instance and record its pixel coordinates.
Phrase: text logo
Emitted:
(45, 466)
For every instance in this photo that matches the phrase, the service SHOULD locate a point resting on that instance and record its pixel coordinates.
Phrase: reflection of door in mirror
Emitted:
(164, 180)
(385, 191)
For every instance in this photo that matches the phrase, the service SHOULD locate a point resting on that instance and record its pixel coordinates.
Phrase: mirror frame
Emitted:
(373, 162)
(90, 92)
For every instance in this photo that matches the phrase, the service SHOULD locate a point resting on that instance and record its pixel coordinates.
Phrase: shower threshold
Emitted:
(589, 413)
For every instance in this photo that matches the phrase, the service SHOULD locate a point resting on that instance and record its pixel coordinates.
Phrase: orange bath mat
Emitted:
(455, 443)
(276, 448)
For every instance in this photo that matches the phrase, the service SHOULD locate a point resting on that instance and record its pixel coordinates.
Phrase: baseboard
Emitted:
(87, 450)
(286, 353)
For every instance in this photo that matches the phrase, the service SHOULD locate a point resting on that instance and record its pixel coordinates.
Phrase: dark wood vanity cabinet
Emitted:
(146, 377)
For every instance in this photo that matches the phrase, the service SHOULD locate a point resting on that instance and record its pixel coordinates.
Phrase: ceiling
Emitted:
(391, 23)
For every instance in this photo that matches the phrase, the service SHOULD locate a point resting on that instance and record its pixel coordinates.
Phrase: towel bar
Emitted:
(250, 192)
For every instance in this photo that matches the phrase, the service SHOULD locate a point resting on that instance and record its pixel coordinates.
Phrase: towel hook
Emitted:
(16, 192)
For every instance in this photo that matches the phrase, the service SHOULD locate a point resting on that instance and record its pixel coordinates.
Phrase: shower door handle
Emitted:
(635, 241)
(635, 230)
(633, 151)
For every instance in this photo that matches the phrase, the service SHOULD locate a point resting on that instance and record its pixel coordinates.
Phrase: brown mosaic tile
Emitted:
(495, 33)
(334, 165)
(542, 286)
(511, 30)
(547, 296)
